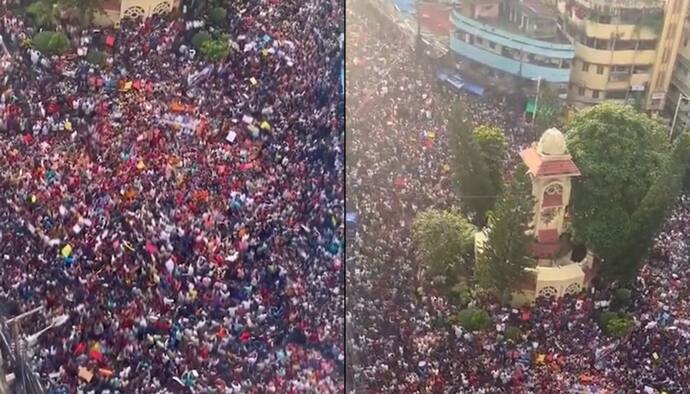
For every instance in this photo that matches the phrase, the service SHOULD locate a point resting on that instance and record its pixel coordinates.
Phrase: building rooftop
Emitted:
(539, 9)
(541, 167)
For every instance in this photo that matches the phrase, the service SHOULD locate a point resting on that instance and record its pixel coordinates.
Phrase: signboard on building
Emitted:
(658, 95)
(637, 88)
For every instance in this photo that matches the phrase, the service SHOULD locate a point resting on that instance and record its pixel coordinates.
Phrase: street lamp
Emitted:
(681, 97)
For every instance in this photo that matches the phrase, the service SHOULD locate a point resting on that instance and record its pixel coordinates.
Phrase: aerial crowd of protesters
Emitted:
(398, 164)
(186, 215)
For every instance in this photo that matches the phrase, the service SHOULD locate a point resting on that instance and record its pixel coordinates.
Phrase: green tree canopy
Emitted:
(51, 43)
(649, 216)
(615, 324)
(215, 50)
(83, 11)
(621, 153)
(506, 253)
(200, 38)
(471, 172)
(472, 319)
(217, 15)
(44, 13)
(96, 57)
(492, 144)
(445, 242)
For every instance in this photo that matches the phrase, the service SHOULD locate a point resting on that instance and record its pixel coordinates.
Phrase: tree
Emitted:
(615, 324)
(548, 111)
(44, 13)
(96, 57)
(472, 175)
(472, 319)
(513, 333)
(620, 153)
(506, 252)
(200, 38)
(217, 16)
(650, 215)
(492, 144)
(215, 50)
(51, 43)
(445, 242)
(84, 11)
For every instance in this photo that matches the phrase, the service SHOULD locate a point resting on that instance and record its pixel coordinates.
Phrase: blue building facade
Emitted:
(510, 53)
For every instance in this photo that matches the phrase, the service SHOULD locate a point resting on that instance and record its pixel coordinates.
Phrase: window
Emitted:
(492, 45)
(595, 94)
(581, 91)
(616, 94)
(585, 66)
(600, 69)
(641, 69)
(478, 40)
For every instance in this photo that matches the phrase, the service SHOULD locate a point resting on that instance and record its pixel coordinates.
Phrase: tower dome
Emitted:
(552, 142)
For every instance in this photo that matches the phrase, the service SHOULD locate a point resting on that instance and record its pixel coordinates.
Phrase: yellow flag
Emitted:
(33, 199)
(68, 125)
(141, 165)
(264, 52)
(66, 251)
(265, 125)
(253, 80)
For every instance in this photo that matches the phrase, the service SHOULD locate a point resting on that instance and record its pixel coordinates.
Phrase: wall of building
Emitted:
(669, 43)
(510, 53)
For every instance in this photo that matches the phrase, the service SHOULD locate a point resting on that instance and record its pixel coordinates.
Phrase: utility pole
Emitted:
(4, 389)
(536, 104)
(418, 42)
(681, 97)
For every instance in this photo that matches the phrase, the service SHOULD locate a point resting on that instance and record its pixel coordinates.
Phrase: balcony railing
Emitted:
(620, 4)
(508, 65)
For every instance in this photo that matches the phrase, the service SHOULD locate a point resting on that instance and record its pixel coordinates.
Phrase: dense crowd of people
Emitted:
(397, 166)
(186, 216)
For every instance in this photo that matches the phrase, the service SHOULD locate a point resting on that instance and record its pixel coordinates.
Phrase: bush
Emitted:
(459, 295)
(200, 38)
(619, 327)
(215, 50)
(96, 57)
(616, 325)
(43, 13)
(621, 298)
(217, 16)
(51, 43)
(474, 319)
(513, 333)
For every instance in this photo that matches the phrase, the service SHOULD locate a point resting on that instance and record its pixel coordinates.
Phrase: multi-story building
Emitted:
(501, 43)
(593, 50)
(680, 82)
(624, 49)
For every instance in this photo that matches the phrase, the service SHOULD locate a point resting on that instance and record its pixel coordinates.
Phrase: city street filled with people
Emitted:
(400, 339)
(187, 216)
